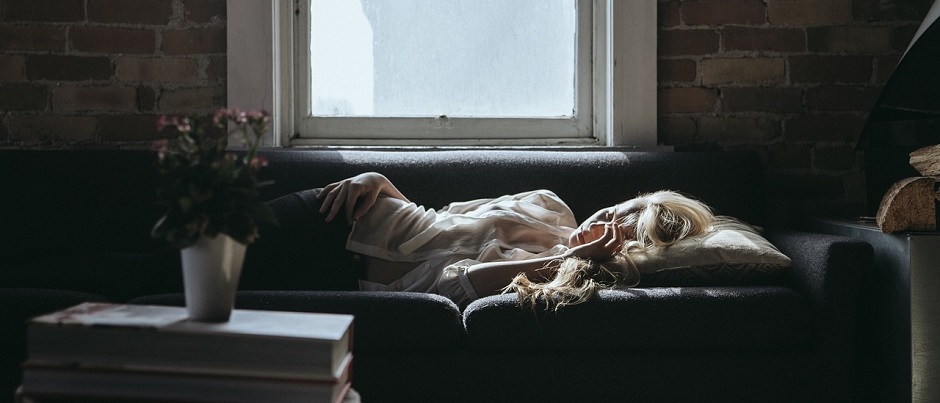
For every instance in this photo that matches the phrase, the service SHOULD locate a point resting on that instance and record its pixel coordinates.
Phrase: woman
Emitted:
(528, 243)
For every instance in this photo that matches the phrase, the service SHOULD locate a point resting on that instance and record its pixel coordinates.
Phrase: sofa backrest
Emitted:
(73, 200)
(60, 201)
(731, 182)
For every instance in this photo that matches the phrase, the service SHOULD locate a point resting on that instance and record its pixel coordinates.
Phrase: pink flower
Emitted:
(164, 121)
(240, 116)
(160, 146)
(184, 125)
(258, 116)
(259, 162)
(220, 117)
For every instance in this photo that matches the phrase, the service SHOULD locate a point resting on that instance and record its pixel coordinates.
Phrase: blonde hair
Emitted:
(666, 218)
(670, 217)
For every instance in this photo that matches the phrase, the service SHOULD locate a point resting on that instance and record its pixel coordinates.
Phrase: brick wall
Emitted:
(790, 79)
(95, 73)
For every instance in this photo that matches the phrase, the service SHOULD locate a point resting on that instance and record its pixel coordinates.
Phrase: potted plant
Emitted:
(212, 204)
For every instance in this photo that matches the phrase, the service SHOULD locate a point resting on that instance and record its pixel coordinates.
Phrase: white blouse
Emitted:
(448, 241)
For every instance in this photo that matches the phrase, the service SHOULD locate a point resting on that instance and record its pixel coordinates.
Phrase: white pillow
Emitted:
(733, 253)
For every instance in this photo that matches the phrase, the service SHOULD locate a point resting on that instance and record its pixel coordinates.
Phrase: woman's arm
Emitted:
(356, 194)
(490, 278)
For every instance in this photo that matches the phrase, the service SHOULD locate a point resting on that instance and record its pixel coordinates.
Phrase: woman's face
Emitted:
(625, 214)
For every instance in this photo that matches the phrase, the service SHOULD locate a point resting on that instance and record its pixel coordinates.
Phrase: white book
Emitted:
(309, 346)
(54, 382)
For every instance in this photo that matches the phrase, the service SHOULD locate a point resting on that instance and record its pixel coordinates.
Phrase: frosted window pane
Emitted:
(480, 58)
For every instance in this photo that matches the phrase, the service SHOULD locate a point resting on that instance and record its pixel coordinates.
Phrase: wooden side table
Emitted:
(898, 336)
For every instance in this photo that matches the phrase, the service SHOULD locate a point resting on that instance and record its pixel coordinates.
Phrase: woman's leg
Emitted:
(302, 251)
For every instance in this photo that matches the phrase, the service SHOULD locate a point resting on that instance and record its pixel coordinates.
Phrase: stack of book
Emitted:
(140, 352)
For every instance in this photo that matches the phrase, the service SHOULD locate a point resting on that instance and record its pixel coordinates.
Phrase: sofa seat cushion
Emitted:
(687, 318)
(384, 321)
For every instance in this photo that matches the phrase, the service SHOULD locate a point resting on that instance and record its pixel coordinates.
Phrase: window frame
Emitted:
(261, 52)
(444, 130)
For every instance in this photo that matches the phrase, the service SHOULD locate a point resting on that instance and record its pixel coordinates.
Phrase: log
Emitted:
(909, 205)
(927, 161)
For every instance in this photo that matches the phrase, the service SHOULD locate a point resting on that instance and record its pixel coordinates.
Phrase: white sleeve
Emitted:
(455, 285)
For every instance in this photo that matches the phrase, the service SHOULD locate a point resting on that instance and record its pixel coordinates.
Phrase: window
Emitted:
(411, 72)
(427, 58)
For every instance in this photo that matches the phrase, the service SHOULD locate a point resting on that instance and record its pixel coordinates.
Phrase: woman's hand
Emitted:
(490, 278)
(599, 242)
(357, 195)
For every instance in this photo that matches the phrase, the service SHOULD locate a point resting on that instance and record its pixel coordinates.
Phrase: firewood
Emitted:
(909, 205)
(927, 161)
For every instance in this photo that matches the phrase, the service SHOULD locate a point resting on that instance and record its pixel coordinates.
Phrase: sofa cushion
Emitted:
(384, 321)
(734, 253)
(690, 318)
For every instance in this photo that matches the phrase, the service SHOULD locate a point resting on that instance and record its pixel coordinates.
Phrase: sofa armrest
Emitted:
(826, 269)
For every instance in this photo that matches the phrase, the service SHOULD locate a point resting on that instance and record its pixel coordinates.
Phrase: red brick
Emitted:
(23, 97)
(737, 129)
(44, 10)
(68, 68)
(902, 36)
(687, 42)
(884, 67)
(809, 12)
(11, 68)
(146, 99)
(33, 38)
(113, 40)
(687, 100)
(668, 14)
(763, 39)
(160, 70)
(191, 99)
(848, 39)
(835, 158)
(202, 11)
(804, 186)
(762, 152)
(46, 127)
(152, 12)
(674, 131)
(723, 12)
(217, 71)
(890, 10)
(743, 70)
(761, 99)
(790, 156)
(841, 98)
(98, 99)
(129, 128)
(828, 127)
(830, 69)
(678, 71)
(194, 41)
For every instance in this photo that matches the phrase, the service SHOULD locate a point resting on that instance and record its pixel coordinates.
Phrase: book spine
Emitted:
(153, 350)
(81, 383)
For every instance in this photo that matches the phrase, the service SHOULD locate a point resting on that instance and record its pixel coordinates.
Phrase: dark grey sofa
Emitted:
(76, 223)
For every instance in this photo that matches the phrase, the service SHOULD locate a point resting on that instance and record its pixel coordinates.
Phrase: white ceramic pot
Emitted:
(211, 269)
